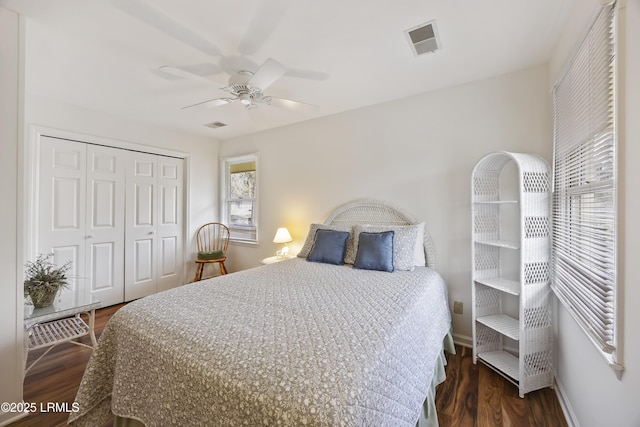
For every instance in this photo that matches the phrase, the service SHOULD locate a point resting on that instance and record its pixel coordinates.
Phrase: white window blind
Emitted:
(584, 187)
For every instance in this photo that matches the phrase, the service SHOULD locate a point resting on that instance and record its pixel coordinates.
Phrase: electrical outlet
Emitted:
(457, 307)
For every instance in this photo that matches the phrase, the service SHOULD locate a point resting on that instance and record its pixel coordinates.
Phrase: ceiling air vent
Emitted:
(215, 125)
(423, 38)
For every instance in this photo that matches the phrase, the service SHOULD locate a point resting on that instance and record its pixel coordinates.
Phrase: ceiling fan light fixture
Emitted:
(245, 98)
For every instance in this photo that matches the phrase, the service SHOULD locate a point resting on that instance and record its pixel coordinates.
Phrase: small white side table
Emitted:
(59, 323)
(273, 259)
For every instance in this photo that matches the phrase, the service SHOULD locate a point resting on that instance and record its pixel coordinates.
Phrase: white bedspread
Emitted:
(291, 343)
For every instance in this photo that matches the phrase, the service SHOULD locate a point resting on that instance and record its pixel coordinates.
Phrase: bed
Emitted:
(291, 343)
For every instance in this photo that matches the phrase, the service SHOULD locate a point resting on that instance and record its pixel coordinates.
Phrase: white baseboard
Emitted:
(569, 415)
(463, 340)
(7, 418)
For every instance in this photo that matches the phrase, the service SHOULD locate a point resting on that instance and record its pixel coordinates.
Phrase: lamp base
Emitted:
(283, 253)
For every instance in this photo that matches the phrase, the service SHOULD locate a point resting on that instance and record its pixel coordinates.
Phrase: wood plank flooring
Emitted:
(472, 395)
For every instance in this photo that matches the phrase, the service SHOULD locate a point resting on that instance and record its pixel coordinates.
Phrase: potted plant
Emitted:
(43, 280)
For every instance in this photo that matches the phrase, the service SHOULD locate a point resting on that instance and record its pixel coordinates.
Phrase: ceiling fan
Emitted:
(246, 87)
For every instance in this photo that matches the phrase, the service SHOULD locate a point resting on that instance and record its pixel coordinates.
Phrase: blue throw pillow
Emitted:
(329, 247)
(375, 251)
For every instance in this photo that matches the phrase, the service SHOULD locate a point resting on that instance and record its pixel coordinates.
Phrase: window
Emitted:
(240, 197)
(584, 187)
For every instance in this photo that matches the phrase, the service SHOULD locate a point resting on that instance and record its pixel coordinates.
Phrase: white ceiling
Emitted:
(105, 55)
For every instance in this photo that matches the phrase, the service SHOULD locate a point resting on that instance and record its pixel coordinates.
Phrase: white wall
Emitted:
(592, 392)
(203, 152)
(10, 288)
(416, 152)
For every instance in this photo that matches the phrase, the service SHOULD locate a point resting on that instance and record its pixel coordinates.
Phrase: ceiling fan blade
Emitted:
(148, 14)
(288, 103)
(262, 24)
(257, 118)
(307, 74)
(268, 73)
(184, 73)
(204, 69)
(210, 103)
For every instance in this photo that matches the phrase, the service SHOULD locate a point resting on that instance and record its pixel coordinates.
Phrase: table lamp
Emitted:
(283, 236)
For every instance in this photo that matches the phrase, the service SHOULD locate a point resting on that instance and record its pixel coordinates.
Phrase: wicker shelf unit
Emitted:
(511, 299)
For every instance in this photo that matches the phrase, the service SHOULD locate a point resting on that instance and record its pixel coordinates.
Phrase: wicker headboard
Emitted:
(378, 212)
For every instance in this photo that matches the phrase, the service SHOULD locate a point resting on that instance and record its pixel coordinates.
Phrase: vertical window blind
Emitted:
(584, 187)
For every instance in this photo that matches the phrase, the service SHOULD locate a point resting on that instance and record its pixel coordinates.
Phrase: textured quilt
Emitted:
(291, 343)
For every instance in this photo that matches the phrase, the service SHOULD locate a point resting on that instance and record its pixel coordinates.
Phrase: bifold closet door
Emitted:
(170, 223)
(105, 230)
(81, 215)
(141, 208)
(116, 214)
(153, 250)
(61, 210)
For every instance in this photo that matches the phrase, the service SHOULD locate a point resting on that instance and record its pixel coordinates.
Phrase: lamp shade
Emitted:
(282, 236)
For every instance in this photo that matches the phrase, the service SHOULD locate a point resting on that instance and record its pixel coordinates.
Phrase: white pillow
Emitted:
(419, 258)
(404, 244)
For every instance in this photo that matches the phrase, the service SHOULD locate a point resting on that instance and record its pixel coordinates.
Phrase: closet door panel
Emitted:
(141, 223)
(62, 208)
(65, 200)
(144, 204)
(170, 188)
(169, 253)
(105, 223)
(143, 256)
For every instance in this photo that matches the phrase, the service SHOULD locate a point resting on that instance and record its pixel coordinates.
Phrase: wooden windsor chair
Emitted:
(212, 240)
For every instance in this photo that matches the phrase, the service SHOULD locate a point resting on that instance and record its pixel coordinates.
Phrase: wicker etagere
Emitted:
(511, 299)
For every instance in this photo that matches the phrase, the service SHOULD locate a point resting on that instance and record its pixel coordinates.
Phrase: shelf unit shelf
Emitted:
(506, 325)
(507, 244)
(505, 285)
(511, 299)
(503, 362)
(496, 202)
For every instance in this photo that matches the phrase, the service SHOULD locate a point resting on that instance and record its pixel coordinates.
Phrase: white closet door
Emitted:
(154, 211)
(61, 208)
(169, 231)
(141, 221)
(105, 223)
(117, 215)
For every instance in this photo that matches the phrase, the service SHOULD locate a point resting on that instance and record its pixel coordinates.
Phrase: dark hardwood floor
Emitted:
(472, 395)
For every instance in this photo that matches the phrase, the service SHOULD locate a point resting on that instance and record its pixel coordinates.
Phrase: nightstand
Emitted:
(273, 259)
